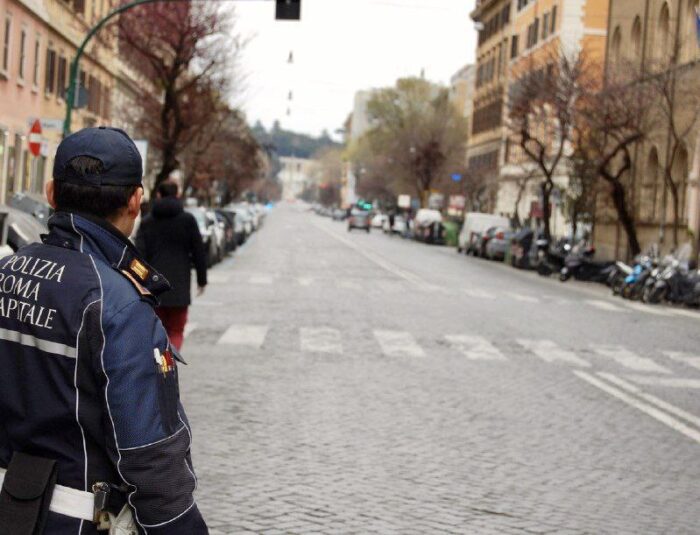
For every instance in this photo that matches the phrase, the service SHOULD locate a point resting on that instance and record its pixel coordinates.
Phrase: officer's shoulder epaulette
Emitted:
(142, 290)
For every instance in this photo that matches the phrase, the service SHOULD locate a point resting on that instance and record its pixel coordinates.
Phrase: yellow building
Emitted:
(543, 29)
(648, 37)
(485, 151)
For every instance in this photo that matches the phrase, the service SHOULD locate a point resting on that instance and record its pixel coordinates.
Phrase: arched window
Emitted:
(679, 172)
(690, 45)
(647, 202)
(616, 46)
(637, 38)
(664, 33)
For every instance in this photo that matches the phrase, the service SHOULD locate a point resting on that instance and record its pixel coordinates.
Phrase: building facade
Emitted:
(649, 37)
(296, 175)
(38, 39)
(485, 149)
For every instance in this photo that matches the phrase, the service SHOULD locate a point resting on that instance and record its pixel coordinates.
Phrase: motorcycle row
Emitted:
(650, 278)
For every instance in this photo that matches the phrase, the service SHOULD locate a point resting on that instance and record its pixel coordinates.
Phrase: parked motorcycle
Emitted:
(678, 283)
(550, 259)
(635, 282)
(616, 281)
(580, 265)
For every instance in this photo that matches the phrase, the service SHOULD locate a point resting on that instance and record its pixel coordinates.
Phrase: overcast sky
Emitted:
(341, 46)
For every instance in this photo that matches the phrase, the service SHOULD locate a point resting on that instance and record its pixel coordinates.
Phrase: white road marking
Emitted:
(685, 358)
(190, 328)
(549, 351)
(244, 335)
(522, 297)
(478, 293)
(320, 340)
(652, 399)
(648, 409)
(398, 344)
(630, 360)
(305, 281)
(262, 279)
(349, 285)
(214, 277)
(641, 307)
(475, 347)
(669, 382)
(604, 305)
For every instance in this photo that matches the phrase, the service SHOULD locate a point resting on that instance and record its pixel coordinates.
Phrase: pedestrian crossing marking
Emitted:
(630, 360)
(549, 351)
(244, 335)
(669, 382)
(604, 305)
(475, 347)
(320, 340)
(398, 344)
(305, 281)
(685, 358)
(478, 293)
(262, 279)
(523, 298)
(349, 285)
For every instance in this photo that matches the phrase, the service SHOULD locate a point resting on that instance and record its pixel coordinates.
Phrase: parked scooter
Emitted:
(679, 283)
(580, 265)
(616, 281)
(550, 259)
(635, 282)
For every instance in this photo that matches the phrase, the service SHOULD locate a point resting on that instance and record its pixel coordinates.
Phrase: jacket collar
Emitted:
(99, 238)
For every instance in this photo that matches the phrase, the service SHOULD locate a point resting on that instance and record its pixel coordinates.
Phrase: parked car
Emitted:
(206, 229)
(378, 220)
(359, 219)
(399, 226)
(428, 227)
(246, 219)
(498, 244)
(17, 229)
(339, 214)
(219, 232)
(229, 220)
(521, 242)
(476, 222)
(33, 204)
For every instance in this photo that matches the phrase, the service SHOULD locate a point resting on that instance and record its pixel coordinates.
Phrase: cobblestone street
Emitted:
(354, 383)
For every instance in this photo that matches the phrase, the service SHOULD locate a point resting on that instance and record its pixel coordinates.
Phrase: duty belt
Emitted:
(68, 502)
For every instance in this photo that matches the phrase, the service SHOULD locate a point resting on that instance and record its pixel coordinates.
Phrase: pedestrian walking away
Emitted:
(93, 436)
(170, 241)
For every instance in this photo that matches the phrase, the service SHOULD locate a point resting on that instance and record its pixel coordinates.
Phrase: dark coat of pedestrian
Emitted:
(169, 239)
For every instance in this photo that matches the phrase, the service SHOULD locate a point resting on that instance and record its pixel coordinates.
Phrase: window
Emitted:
(553, 16)
(50, 70)
(545, 25)
(664, 32)
(61, 78)
(22, 52)
(514, 47)
(637, 37)
(7, 35)
(79, 6)
(616, 46)
(37, 59)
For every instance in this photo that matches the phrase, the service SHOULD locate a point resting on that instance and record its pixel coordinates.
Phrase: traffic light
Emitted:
(288, 10)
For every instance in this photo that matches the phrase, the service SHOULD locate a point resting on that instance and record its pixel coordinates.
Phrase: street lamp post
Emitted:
(75, 64)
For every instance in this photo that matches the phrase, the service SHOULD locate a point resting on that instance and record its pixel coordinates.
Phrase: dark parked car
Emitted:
(359, 219)
(32, 204)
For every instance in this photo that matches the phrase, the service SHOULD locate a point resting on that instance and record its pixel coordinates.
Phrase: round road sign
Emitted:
(35, 138)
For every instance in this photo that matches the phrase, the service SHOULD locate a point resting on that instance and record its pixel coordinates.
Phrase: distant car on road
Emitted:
(359, 219)
(339, 214)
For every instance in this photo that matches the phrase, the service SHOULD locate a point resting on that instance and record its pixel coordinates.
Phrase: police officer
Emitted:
(90, 417)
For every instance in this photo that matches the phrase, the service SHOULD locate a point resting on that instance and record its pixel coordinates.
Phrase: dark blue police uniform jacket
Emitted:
(83, 379)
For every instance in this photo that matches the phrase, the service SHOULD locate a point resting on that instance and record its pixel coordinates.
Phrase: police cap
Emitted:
(121, 160)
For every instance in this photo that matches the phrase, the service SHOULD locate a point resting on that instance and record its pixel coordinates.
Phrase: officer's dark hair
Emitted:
(167, 189)
(100, 201)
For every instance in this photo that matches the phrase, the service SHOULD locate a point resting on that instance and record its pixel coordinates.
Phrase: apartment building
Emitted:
(651, 37)
(541, 30)
(38, 40)
(485, 149)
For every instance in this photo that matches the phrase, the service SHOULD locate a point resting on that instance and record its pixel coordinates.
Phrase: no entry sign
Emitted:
(35, 138)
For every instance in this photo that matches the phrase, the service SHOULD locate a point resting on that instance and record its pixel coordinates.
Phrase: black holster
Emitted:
(26, 495)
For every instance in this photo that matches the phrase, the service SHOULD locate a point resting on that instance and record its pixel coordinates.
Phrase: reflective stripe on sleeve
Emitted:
(39, 343)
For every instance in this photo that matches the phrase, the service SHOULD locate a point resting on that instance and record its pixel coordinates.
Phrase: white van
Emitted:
(476, 222)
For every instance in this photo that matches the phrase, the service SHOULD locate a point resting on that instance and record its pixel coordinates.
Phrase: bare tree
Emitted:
(185, 50)
(542, 113)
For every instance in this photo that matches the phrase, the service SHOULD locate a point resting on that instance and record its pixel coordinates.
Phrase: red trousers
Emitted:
(174, 320)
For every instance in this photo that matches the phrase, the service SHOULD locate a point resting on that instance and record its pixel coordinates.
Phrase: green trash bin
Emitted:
(451, 233)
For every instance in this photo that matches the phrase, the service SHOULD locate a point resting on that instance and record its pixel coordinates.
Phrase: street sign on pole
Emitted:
(35, 138)
(456, 177)
(404, 201)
